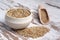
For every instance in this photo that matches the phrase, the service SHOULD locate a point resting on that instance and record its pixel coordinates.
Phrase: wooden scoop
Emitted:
(43, 15)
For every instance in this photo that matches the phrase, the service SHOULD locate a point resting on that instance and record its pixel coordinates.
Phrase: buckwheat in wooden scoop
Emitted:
(43, 15)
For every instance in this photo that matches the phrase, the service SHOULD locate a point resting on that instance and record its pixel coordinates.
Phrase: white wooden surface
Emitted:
(54, 14)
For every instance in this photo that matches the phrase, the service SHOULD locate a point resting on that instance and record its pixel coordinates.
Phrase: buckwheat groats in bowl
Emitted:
(18, 13)
(18, 18)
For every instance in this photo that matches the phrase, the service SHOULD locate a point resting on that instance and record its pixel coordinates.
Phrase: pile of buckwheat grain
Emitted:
(33, 32)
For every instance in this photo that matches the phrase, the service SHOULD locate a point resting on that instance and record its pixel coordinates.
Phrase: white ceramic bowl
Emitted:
(18, 23)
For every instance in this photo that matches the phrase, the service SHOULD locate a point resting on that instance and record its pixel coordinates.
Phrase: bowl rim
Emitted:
(18, 18)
